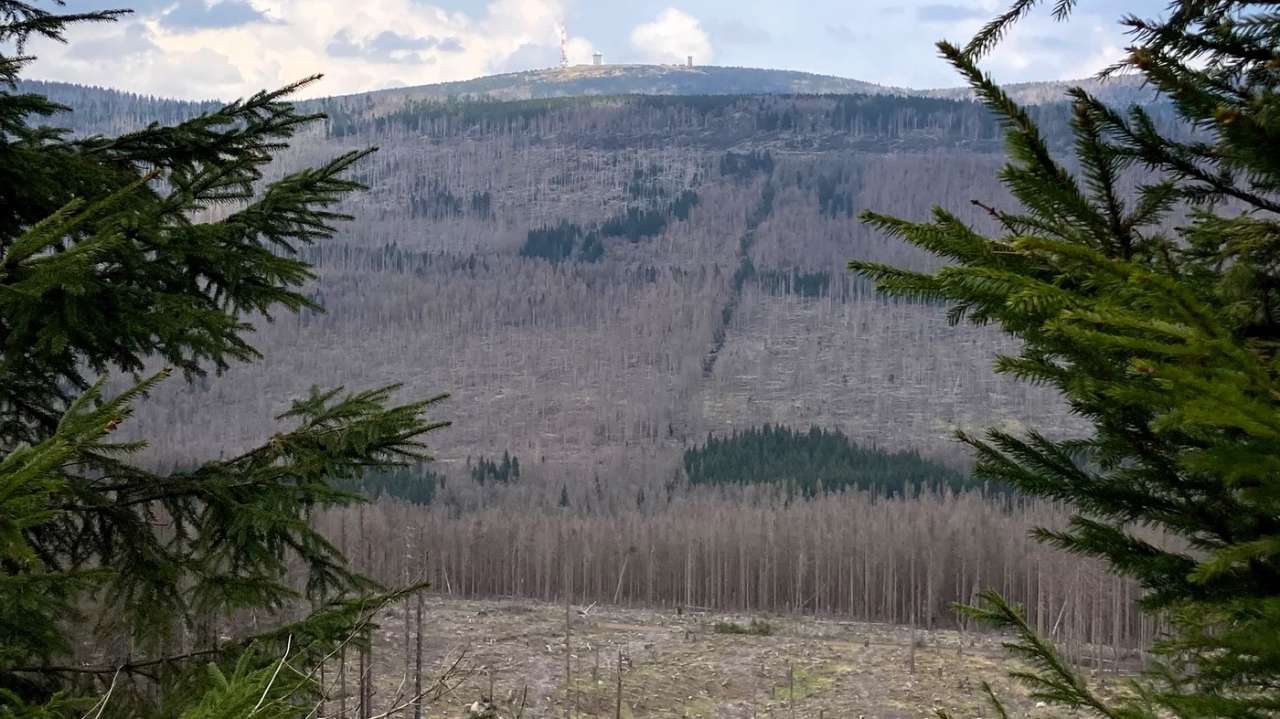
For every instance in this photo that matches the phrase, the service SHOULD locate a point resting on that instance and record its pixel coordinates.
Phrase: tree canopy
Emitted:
(812, 462)
(1162, 333)
(107, 269)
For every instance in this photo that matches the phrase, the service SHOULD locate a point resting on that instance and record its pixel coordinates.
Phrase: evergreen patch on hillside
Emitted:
(813, 462)
(636, 223)
(570, 241)
(563, 242)
(417, 484)
(434, 200)
(505, 472)
(414, 484)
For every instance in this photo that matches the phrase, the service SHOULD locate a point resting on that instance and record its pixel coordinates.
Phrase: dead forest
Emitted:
(601, 283)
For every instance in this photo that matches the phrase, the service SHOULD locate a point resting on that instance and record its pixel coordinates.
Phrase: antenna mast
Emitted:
(564, 46)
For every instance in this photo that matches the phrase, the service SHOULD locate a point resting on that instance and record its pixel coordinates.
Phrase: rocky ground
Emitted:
(679, 665)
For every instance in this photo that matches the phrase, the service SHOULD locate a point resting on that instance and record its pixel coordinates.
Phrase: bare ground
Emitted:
(677, 665)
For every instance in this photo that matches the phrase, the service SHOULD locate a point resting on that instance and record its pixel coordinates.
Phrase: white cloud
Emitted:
(671, 37)
(358, 46)
(1106, 53)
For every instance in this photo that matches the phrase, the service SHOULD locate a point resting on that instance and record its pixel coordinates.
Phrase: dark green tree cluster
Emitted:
(592, 248)
(638, 222)
(635, 224)
(1163, 333)
(570, 241)
(812, 462)
(482, 204)
(487, 470)
(746, 271)
(682, 206)
(563, 242)
(415, 484)
(434, 200)
(104, 270)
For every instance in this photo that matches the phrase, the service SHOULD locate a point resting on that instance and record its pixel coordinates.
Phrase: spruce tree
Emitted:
(105, 271)
(1161, 331)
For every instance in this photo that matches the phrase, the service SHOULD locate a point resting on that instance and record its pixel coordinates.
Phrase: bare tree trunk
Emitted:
(617, 707)
(617, 593)
(568, 665)
(342, 684)
(417, 662)
(911, 652)
(405, 650)
(362, 711)
(791, 696)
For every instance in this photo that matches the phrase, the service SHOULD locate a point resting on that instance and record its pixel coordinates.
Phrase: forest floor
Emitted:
(678, 665)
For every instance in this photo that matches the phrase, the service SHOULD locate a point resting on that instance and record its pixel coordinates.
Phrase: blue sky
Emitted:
(227, 48)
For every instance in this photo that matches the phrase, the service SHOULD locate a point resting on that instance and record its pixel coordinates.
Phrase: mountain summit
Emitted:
(580, 80)
(616, 80)
(577, 80)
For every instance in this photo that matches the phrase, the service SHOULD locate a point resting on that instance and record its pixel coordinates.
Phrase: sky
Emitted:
(223, 49)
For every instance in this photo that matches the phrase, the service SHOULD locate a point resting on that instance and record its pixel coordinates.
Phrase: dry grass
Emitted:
(677, 665)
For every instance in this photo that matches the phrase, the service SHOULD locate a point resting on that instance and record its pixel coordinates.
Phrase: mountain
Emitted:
(619, 80)
(579, 80)
(1121, 90)
(602, 281)
(611, 80)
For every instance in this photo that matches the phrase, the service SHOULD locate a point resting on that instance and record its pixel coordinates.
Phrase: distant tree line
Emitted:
(100, 110)
(864, 120)
(505, 472)
(813, 462)
(563, 242)
(570, 241)
(419, 484)
(434, 200)
(415, 484)
(857, 555)
(637, 222)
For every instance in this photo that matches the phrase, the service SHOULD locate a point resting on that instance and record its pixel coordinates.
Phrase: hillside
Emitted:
(603, 279)
(579, 80)
(587, 80)
(597, 81)
(1120, 90)
(618, 291)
